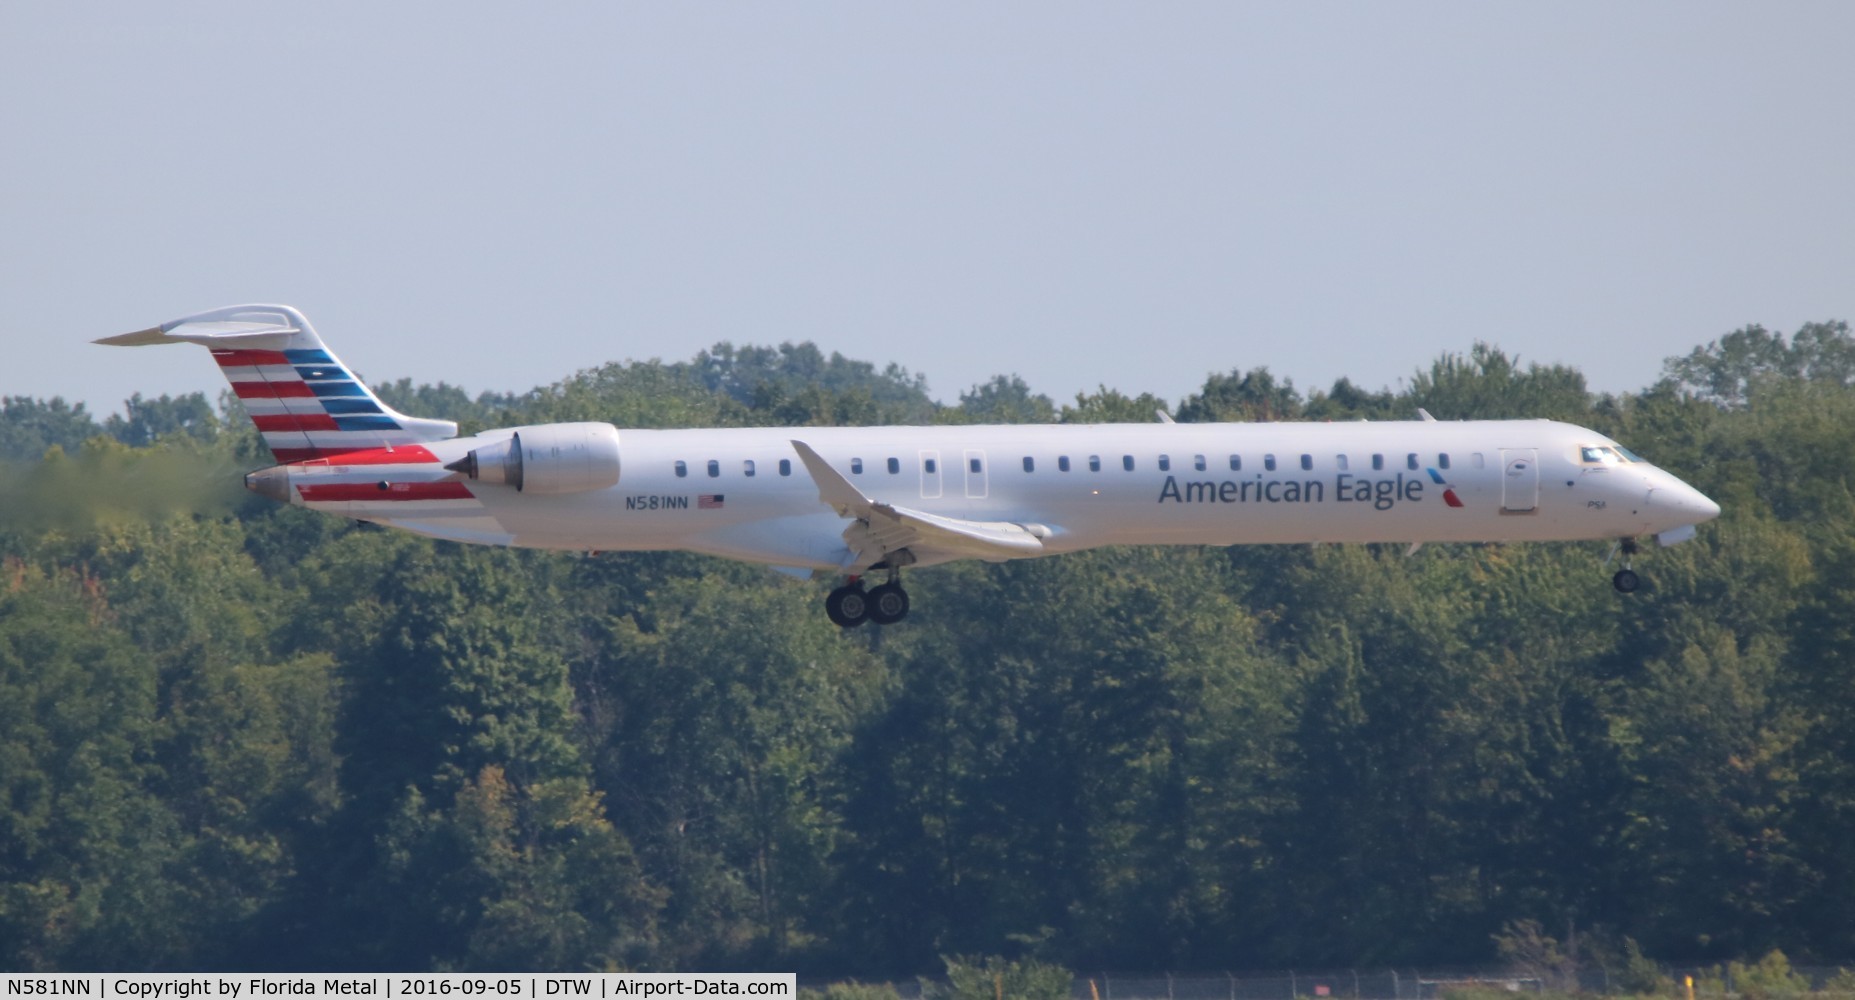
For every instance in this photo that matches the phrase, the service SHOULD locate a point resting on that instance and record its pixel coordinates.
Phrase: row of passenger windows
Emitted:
(1199, 463)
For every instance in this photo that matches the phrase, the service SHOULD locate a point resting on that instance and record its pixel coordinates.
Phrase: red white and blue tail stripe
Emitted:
(304, 401)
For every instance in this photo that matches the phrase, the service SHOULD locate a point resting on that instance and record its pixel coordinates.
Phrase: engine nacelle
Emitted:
(548, 458)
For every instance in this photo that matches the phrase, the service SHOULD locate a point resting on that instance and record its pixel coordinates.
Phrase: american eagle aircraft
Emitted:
(856, 501)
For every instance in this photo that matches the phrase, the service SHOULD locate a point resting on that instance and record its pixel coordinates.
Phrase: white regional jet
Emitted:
(858, 500)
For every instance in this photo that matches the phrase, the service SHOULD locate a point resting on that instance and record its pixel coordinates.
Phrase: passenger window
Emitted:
(856, 467)
(714, 469)
(1442, 461)
(747, 467)
(932, 466)
(972, 465)
(1029, 465)
(1094, 463)
(682, 469)
(895, 466)
(1198, 462)
(1475, 460)
(1411, 461)
(1062, 463)
(1268, 462)
(1236, 463)
(1165, 463)
(1127, 462)
(1378, 463)
(1307, 463)
(785, 466)
(1339, 461)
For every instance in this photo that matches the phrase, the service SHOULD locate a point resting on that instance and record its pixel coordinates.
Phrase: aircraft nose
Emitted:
(1684, 501)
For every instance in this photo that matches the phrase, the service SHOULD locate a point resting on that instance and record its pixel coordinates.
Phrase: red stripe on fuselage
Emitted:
(249, 359)
(272, 390)
(371, 492)
(399, 454)
(294, 422)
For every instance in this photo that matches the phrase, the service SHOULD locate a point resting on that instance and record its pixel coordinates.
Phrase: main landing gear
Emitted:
(850, 605)
(1626, 581)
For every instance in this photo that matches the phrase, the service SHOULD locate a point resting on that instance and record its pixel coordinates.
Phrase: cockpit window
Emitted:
(1608, 454)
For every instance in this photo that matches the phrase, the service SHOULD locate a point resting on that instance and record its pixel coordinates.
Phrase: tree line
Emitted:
(240, 735)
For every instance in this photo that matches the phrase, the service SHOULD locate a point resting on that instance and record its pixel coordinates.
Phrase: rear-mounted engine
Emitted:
(549, 458)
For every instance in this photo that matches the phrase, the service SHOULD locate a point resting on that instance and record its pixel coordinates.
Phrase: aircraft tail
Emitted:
(304, 401)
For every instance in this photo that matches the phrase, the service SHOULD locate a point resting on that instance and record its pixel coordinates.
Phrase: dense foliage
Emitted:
(234, 734)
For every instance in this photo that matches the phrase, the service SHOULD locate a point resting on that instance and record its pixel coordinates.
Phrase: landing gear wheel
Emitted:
(888, 604)
(1625, 581)
(847, 606)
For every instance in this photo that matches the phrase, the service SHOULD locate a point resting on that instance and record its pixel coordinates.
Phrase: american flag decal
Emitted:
(710, 501)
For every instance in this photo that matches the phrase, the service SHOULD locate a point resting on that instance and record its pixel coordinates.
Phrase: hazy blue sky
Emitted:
(1081, 193)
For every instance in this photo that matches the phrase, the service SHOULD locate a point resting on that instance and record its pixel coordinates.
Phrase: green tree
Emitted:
(759, 376)
(448, 402)
(1729, 371)
(976, 979)
(457, 749)
(1242, 397)
(1109, 406)
(1059, 768)
(513, 877)
(86, 850)
(725, 707)
(30, 426)
(634, 394)
(1005, 399)
(1489, 384)
(146, 421)
(1346, 401)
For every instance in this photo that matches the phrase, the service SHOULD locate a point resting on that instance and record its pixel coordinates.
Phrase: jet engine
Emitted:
(548, 458)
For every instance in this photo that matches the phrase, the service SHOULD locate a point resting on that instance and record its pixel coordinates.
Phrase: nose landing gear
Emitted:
(1625, 580)
(850, 605)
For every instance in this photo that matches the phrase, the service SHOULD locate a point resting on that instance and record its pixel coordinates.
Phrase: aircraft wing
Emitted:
(880, 528)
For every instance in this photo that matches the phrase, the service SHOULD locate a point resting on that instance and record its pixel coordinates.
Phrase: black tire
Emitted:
(847, 606)
(888, 604)
(1625, 581)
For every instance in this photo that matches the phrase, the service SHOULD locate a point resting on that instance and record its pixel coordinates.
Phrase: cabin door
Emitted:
(975, 474)
(1519, 480)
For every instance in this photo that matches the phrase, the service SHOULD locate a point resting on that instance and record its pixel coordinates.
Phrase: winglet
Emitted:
(1425, 414)
(833, 488)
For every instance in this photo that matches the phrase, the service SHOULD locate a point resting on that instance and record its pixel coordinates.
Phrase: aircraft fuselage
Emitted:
(744, 494)
(847, 500)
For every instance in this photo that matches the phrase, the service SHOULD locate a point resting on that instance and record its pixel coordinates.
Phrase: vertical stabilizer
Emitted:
(304, 401)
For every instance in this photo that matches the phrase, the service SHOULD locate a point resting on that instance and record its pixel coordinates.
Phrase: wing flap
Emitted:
(881, 528)
(979, 539)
